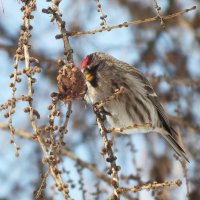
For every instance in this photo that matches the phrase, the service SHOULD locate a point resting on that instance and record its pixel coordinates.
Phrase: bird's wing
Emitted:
(170, 134)
(161, 114)
(153, 98)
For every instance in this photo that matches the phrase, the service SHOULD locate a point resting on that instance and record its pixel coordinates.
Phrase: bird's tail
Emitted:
(172, 139)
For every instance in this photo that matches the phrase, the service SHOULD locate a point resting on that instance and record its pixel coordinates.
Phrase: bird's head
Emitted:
(90, 66)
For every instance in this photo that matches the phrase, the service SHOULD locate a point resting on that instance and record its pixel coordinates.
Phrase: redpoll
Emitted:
(138, 104)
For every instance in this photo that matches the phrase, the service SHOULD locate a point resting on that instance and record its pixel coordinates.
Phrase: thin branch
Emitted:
(93, 168)
(195, 84)
(19, 132)
(57, 16)
(158, 9)
(31, 6)
(39, 191)
(111, 158)
(116, 94)
(126, 24)
(68, 51)
(102, 15)
(150, 186)
(146, 125)
(63, 129)
(64, 151)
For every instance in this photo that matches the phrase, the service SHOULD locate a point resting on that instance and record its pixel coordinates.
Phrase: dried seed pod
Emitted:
(11, 84)
(18, 80)
(71, 84)
(27, 109)
(6, 115)
(36, 113)
(11, 75)
(60, 62)
(50, 107)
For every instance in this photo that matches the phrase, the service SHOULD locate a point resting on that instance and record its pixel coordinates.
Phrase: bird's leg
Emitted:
(103, 113)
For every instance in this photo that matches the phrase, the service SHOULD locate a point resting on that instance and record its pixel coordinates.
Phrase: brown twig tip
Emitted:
(189, 9)
(179, 182)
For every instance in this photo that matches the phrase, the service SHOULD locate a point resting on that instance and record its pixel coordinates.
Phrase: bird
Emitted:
(138, 104)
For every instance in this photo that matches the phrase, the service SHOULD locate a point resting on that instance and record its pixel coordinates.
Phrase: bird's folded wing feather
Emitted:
(154, 99)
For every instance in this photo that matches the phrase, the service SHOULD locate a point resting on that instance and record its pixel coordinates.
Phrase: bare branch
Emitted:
(115, 95)
(57, 16)
(111, 158)
(126, 24)
(142, 126)
(158, 9)
(151, 186)
(102, 15)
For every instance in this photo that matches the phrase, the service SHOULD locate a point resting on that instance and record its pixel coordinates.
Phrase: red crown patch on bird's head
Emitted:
(86, 62)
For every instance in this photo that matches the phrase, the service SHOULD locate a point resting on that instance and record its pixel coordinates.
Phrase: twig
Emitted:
(19, 132)
(102, 16)
(53, 169)
(39, 191)
(134, 160)
(68, 51)
(81, 180)
(150, 186)
(64, 151)
(146, 125)
(185, 123)
(63, 129)
(93, 169)
(126, 24)
(158, 9)
(111, 158)
(13, 100)
(116, 94)
(57, 16)
(195, 84)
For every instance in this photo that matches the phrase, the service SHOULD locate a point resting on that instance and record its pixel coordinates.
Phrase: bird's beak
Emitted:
(89, 76)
